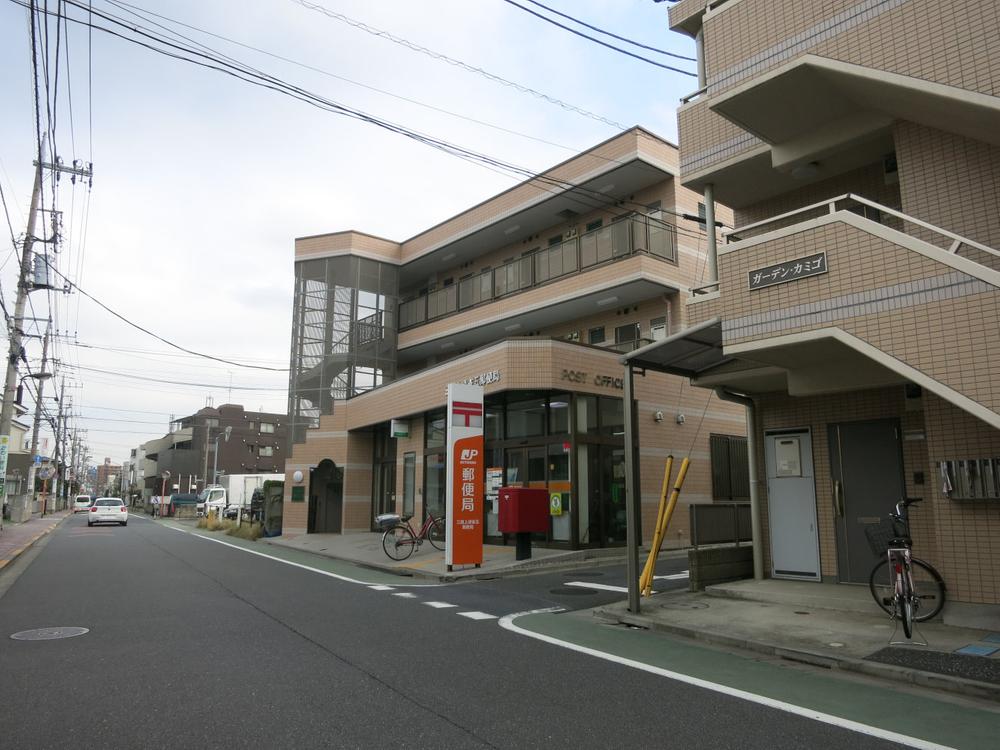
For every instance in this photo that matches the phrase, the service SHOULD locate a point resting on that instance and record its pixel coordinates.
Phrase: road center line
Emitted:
(507, 623)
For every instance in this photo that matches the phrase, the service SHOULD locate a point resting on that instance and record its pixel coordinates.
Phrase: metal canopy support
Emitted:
(631, 488)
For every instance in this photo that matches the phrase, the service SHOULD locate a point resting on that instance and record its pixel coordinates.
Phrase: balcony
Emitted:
(632, 234)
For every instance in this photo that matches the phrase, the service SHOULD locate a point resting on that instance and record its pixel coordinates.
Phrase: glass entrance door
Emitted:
(385, 488)
(605, 488)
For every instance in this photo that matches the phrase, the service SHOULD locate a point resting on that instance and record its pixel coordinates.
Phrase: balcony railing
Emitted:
(633, 234)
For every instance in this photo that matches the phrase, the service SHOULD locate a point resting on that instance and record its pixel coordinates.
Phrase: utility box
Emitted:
(523, 510)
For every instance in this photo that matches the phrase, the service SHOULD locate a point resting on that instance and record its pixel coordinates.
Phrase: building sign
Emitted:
(493, 376)
(399, 428)
(555, 504)
(604, 381)
(790, 270)
(465, 477)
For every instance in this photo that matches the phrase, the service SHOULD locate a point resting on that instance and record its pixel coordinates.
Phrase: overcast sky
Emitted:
(202, 182)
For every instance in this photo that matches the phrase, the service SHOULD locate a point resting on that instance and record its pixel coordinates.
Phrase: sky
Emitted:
(201, 182)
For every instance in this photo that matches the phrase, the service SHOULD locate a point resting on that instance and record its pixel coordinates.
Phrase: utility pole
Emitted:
(27, 504)
(56, 483)
(16, 324)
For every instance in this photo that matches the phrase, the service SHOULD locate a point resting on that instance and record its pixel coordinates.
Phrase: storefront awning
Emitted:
(689, 352)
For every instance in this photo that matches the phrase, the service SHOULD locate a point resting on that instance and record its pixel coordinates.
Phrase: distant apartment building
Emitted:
(108, 474)
(857, 297)
(257, 444)
(534, 294)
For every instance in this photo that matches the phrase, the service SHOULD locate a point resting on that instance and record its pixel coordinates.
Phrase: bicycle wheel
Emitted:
(905, 604)
(436, 534)
(928, 589)
(398, 542)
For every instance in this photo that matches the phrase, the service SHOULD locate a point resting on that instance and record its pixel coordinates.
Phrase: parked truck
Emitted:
(233, 495)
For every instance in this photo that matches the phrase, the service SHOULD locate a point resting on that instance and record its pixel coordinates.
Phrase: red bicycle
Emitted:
(399, 539)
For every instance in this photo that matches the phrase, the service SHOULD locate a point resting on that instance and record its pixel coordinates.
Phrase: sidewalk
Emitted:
(426, 562)
(16, 538)
(827, 625)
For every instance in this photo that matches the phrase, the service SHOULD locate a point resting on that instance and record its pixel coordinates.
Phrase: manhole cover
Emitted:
(583, 574)
(568, 590)
(48, 634)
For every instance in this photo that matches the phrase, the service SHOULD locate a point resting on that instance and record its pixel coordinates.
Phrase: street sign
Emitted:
(46, 472)
(38, 460)
(4, 450)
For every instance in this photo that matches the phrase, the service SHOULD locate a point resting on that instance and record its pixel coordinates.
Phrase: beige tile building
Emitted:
(856, 302)
(535, 294)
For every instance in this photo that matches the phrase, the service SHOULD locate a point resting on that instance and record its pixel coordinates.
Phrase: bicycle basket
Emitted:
(880, 536)
(387, 520)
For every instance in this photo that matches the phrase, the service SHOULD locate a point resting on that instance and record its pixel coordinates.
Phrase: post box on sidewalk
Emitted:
(523, 510)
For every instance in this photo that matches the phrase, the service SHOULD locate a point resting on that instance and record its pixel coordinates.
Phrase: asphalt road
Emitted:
(196, 644)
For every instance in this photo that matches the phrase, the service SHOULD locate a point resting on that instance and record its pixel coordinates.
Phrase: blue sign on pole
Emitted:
(38, 460)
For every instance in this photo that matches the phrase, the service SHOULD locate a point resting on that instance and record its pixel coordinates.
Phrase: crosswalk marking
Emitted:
(674, 577)
(381, 588)
(440, 605)
(406, 595)
(476, 615)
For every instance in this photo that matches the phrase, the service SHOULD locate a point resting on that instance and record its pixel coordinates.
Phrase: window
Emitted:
(267, 428)
(211, 422)
(730, 473)
(596, 335)
(555, 240)
(701, 211)
(434, 430)
(591, 226)
(658, 328)
(627, 332)
(251, 447)
(265, 451)
(409, 481)
(526, 418)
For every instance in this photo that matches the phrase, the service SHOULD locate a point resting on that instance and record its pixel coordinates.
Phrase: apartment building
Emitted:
(533, 294)
(857, 297)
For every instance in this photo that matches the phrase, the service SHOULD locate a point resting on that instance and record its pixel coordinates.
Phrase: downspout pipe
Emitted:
(755, 524)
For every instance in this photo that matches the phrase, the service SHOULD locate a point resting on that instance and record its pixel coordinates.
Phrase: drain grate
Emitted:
(48, 634)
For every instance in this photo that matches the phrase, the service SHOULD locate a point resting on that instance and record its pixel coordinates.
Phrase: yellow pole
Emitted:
(681, 474)
(646, 571)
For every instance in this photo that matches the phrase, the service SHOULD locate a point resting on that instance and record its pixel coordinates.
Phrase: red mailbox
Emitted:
(523, 509)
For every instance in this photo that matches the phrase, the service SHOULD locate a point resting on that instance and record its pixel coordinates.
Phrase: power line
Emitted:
(457, 63)
(598, 41)
(612, 35)
(157, 336)
(119, 374)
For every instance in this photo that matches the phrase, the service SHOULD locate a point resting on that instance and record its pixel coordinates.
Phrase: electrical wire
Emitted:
(598, 41)
(452, 61)
(610, 34)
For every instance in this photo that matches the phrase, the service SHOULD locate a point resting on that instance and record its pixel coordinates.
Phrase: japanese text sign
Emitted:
(790, 270)
(466, 479)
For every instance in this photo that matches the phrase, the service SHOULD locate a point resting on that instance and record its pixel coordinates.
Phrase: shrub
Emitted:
(249, 531)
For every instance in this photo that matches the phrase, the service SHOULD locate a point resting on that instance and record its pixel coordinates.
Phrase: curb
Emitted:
(919, 677)
(18, 551)
(590, 558)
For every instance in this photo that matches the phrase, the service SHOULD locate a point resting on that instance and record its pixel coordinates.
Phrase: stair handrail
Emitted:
(732, 235)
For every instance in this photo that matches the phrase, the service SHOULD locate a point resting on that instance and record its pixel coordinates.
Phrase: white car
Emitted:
(82, 503)
(108, 510)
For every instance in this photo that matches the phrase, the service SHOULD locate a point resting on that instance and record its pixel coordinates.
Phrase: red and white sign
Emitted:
(465, 477)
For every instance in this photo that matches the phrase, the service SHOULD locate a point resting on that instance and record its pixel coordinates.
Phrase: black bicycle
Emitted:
(908, 589)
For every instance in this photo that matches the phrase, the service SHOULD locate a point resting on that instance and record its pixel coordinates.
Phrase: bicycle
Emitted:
(906, 588)
(399, 539)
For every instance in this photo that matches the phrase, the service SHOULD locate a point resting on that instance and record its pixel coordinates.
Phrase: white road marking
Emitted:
(507, 623)
(440, 605)
(405, 595)
(381, 588)
(674, 577)
(289, 562)
(597, 586)
(476, 615)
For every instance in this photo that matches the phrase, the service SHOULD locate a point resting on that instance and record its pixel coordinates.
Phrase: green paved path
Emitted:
(956, 724)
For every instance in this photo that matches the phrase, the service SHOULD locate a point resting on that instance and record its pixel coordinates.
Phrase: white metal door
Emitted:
(791, 504)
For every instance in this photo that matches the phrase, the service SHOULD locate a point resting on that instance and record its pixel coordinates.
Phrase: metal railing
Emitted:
(634, 233)
(720, 523)
(866, 208)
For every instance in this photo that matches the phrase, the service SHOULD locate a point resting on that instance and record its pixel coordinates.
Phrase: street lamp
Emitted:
(215, 459)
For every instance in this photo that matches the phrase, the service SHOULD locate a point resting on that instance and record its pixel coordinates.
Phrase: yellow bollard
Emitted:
(655, 552)
(646, 570)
